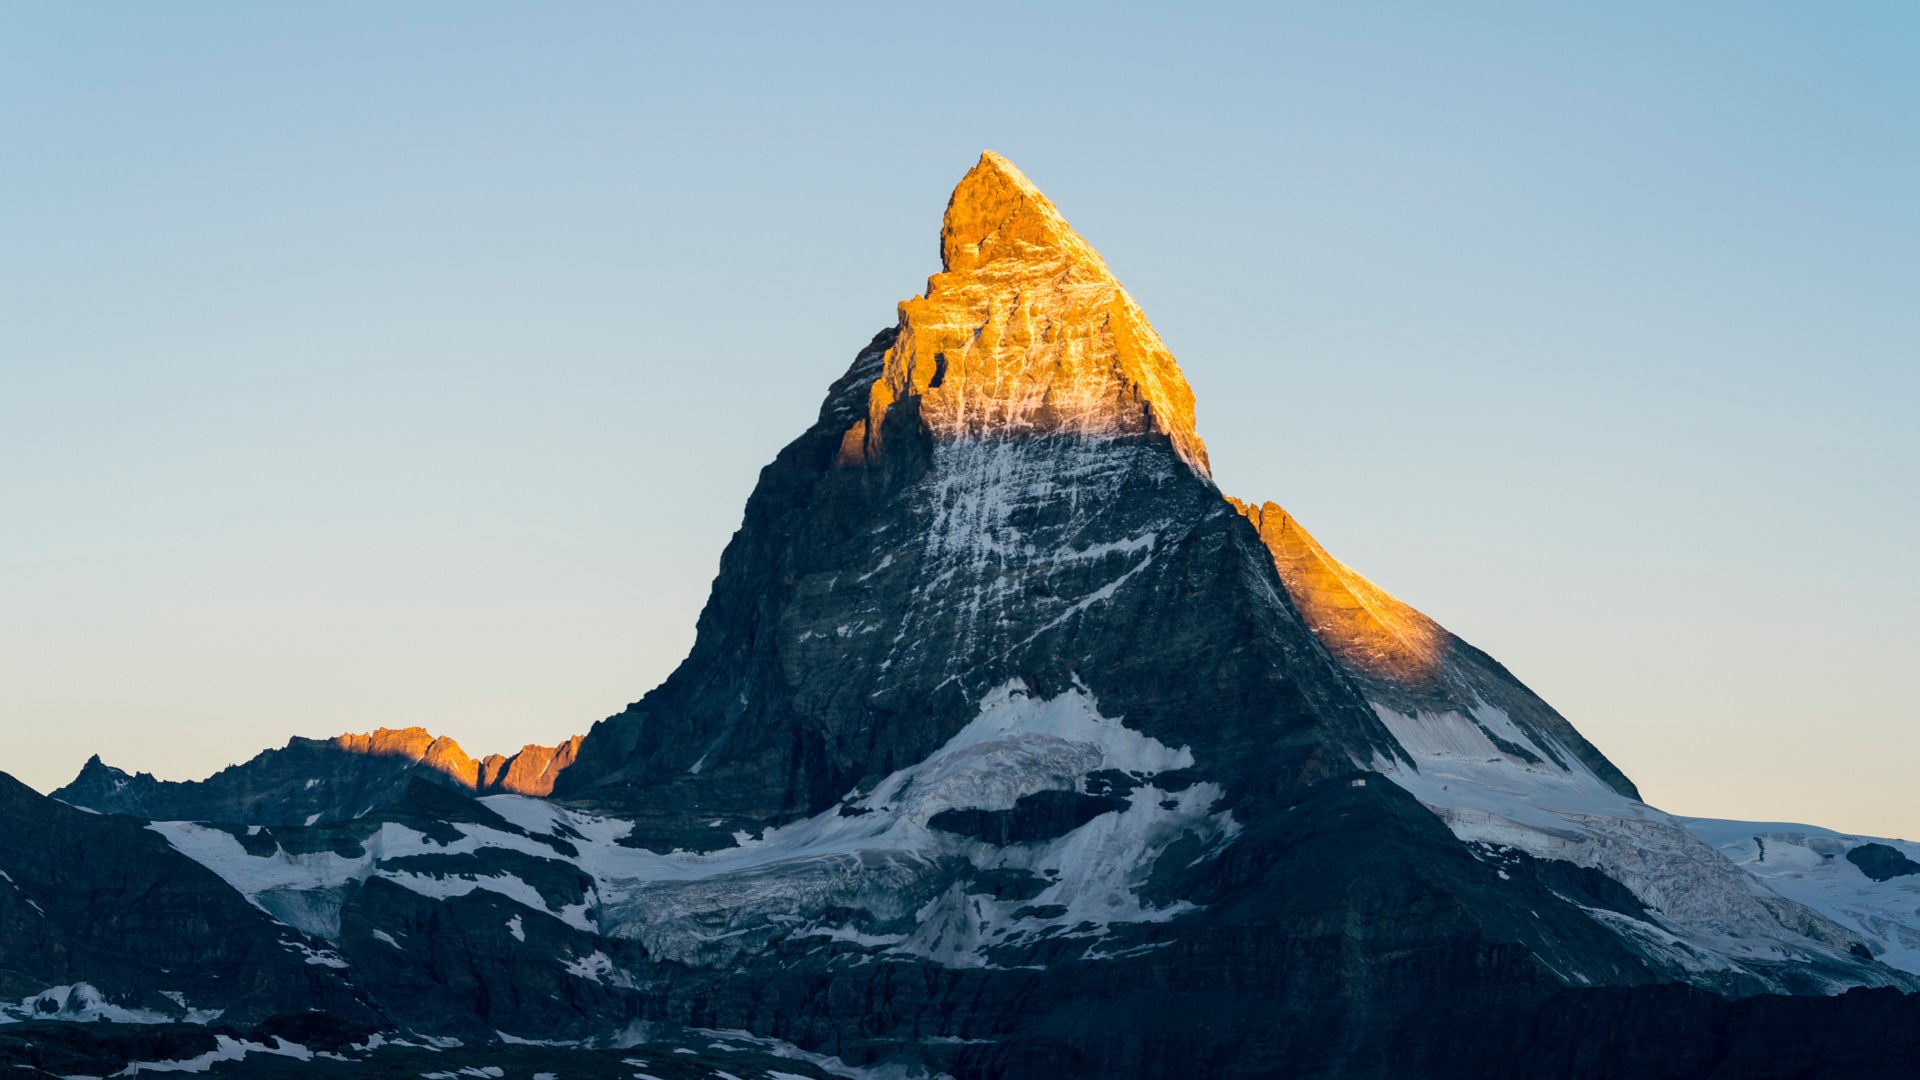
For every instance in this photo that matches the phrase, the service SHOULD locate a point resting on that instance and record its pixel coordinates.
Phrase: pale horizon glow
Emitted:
(368, 367)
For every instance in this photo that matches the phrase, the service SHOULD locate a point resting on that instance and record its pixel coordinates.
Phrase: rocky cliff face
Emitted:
(317, 780)
(1005, 487)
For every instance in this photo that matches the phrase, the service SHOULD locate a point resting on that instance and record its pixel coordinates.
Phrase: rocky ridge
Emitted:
(1510, 776)
(319, 780)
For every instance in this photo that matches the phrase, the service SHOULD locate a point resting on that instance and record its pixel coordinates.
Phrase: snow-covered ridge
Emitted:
(1706, 917)
(1824, 870)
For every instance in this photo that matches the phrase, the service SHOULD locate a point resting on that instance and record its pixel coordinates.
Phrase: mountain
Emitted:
(1010, 746)
(317, 780)
(1003, 491)
(102, 919)
(933, 618)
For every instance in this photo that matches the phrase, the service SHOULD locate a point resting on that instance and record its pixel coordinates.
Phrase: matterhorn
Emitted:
(1009, 745)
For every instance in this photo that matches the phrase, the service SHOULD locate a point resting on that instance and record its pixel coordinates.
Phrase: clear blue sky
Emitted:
(388, 364)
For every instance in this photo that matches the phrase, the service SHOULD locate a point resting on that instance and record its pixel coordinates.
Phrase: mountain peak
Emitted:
(1025, 331)
(997, 218)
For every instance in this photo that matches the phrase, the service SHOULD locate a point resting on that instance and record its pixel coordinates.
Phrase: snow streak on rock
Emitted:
(307, 889)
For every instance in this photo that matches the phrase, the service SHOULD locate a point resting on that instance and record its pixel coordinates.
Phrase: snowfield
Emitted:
(1711, 917)
(1810, 865)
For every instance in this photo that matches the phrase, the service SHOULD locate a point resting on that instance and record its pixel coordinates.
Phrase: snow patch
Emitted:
(1018, 745)
(305, 891)
(590, 967)
(83, 1003)
(322, 957)
(227, 1048)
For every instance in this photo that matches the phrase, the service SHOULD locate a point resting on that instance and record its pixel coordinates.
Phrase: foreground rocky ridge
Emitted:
(1198, 1006)
(1008, 746)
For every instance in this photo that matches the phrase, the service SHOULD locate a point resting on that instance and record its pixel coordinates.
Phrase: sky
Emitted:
(369, 365)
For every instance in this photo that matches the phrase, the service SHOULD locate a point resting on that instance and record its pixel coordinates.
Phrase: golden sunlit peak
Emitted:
(1025, 331)
(996, 214)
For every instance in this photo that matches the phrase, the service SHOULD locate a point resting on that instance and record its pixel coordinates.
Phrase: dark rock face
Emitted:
(1040, 815)
(1881, 862)
(861, 614)
(472, 965)
(101, 901)
(270, 789)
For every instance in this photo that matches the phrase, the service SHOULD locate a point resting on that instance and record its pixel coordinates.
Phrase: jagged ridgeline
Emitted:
(1009, 746)
(316, 780)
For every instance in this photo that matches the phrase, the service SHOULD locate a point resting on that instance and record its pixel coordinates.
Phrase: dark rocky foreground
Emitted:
(307, 1047)
(1645, 1033)
(1352, 940)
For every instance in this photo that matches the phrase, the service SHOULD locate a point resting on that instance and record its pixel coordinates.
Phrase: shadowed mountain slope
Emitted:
(102, 919)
